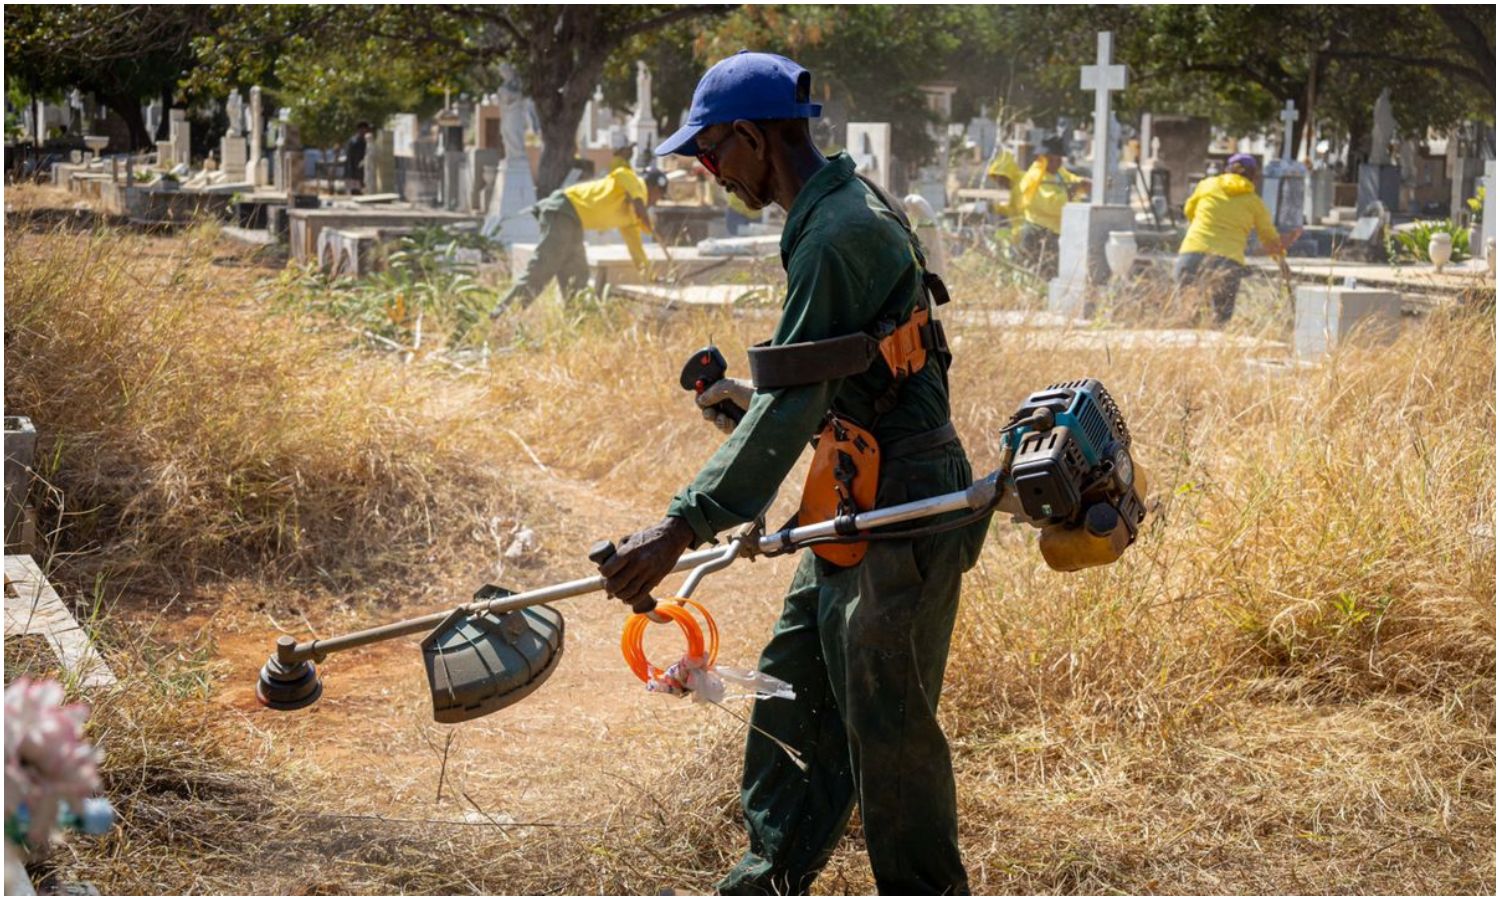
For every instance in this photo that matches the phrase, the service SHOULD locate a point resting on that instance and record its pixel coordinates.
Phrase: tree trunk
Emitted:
(129, 109)
(560, 95)
(1359, 146)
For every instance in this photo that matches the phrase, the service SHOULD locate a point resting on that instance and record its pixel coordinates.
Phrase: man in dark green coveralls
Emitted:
(865, 647)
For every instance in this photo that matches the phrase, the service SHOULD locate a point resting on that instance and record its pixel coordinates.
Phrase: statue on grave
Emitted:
(642, 90)
(513, 113)
(234, 107)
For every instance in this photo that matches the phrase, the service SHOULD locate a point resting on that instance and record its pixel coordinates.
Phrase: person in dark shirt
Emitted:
(354, 158)
(864, 645)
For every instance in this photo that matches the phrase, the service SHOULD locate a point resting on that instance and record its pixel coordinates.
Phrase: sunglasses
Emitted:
(709, 156)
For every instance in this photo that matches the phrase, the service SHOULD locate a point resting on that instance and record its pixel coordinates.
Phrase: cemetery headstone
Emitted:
(487, 126)
(1379, 182)
(1086, 226)
(380, 163)
(984, 134)
(1326, 316)
(234, 151)
(1489, 208)
(1284, 186)
(1181, 150)
(1382, 130)
(509, 219)
(642, 129)
(1319, 198)
(179, 138)
(257, 164)
(869, 144)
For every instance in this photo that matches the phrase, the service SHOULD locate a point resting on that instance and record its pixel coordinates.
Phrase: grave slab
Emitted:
(1326, 316)
(33, 607)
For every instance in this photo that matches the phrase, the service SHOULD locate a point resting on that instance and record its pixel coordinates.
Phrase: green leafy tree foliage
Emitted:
(560, 52)
(121, 54)
(869, 60)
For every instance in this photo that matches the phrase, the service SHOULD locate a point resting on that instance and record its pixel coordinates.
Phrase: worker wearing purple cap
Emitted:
(864, 643)
(1222, 212)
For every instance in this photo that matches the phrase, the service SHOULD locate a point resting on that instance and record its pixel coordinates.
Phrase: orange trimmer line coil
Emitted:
(676, 610)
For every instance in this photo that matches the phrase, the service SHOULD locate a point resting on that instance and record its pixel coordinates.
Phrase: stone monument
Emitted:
(259, 167)
(1086, 226)
(869, 144)
(1380, 178)
(234, 154)
(509, 219)
(1284, 186)
(642, 126)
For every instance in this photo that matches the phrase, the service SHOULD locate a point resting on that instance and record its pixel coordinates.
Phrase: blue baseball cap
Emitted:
(745, 86)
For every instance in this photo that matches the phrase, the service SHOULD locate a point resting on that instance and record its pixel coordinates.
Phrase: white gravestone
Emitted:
(1325, 317)
(1488, 230)
(234, 152)
(259, 166)
(869, 145)
(179, 142)
(509, 219)
(642, 129)
(1081, 260)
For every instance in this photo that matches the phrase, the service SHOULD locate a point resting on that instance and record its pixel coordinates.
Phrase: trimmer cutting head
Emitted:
(287, 686)
(480, 663)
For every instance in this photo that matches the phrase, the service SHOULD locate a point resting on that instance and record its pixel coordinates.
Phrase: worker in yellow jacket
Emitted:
(618, 200)
(1045, 189)
(1222, 213)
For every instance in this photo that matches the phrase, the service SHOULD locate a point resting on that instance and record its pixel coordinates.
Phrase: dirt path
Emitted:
(561, 755)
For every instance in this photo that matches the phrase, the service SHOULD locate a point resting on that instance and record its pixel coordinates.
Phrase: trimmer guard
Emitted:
(480, 663)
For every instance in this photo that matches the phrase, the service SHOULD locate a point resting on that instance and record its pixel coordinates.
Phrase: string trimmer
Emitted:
(1065, 468)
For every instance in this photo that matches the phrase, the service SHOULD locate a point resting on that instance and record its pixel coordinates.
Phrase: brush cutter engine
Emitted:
(1073, 475)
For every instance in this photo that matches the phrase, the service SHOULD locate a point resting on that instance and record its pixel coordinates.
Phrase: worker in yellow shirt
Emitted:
(1005, 172)
(1222, 212)
(618, 200)
(1045, 190)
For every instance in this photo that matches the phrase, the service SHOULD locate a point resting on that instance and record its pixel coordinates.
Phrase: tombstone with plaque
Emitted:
(869, 145)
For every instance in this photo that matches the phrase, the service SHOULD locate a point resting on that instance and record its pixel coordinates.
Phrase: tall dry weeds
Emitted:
(1286, 686)
(184, 433)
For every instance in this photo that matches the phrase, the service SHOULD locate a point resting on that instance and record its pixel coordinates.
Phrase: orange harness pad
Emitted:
(842, 480)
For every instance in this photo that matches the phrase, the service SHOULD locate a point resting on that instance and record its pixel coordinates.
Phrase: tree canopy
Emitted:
(334, 65)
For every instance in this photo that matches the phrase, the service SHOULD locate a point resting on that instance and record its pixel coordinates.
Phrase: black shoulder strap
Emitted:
(811, 362)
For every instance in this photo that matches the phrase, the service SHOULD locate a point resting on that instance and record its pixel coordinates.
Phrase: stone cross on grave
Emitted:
(1289, 124)
(1102, 78)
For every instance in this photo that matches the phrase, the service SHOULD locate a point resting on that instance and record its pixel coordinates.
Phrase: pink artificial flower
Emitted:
(47, 760)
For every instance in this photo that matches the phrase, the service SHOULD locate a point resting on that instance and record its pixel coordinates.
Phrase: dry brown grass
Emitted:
(190, 438)
(1287, 686)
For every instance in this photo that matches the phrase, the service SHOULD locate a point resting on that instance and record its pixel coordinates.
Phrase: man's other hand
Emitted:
(735, 390)
(643, 559)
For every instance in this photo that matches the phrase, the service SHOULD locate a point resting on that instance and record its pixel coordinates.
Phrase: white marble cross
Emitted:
(1102, 78)
(1289, 121)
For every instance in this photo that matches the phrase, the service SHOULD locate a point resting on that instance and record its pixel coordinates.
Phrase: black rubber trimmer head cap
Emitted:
(288, 686)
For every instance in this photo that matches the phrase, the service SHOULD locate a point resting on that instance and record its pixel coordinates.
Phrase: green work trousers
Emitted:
(865, 648)
(560, 254)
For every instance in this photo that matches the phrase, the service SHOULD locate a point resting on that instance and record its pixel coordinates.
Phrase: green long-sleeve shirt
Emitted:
(849, 263)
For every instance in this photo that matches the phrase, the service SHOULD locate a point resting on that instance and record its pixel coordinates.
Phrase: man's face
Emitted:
(1052, 160)
(739, 151)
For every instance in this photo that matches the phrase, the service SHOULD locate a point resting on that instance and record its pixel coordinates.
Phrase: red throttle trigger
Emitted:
(703, 368)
